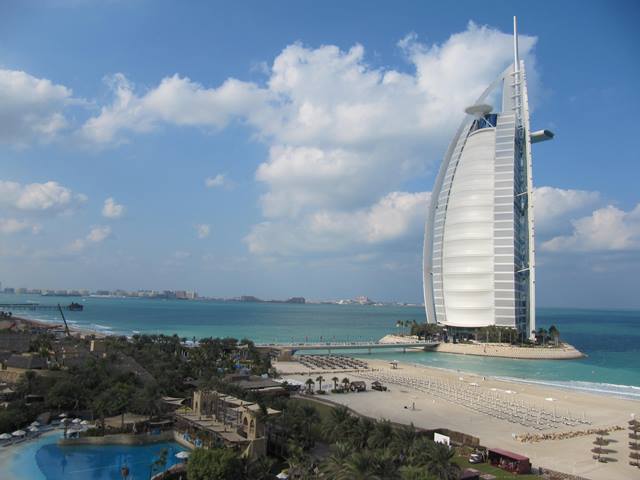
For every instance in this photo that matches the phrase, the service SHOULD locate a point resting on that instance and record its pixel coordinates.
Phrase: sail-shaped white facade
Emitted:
(479, 255)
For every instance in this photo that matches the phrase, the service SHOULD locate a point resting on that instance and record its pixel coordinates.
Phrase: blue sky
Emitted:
(288, 148)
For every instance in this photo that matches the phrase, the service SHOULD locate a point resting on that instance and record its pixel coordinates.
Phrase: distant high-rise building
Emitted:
(479, 255)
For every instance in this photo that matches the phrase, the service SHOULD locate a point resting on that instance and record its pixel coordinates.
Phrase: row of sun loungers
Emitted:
(491, 403)
(332, 362)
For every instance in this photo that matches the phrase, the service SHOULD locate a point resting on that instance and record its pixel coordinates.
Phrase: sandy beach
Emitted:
(569, 455)
(22, 323)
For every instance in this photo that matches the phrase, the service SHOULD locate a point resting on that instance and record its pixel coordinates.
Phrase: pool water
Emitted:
(53, 462)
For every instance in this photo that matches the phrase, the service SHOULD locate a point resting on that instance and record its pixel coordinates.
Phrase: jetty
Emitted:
(287, 350)
(72, 307)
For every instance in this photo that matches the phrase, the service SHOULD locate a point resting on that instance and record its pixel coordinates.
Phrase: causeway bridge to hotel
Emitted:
(286, 350)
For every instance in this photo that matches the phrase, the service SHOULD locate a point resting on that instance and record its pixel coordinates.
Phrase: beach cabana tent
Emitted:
(5, 436)
(19, 433)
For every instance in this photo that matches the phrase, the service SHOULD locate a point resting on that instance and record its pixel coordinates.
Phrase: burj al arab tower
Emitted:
(479, 250)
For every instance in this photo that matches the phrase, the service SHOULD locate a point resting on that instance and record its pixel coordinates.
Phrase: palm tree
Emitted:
(411, 472)
(335, 462)
(403, 440)
(297, 460)
(382, 434)
(260, 469)
(360, 466)
(309, 384)
(338, 421)
(361, 431)
(555, 334)
(542, 332)
(320, 379)
(335, 381)
(399, 323)
(415, 328)
(440, 463)
(386, 467)
(346, 382)
(309, 417)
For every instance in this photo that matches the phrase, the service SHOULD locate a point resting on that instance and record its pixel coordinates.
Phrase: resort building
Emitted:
(217, 420)
(479, 250)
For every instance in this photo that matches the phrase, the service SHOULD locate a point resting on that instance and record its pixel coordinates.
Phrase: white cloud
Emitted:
(342, 135)
(31, 109)
(203, 230)
(606, 229)
(111, 209)
(176, 100)
(396, 216)
(220, 180)
(39, 197)
(10, 226)
(552, 206)
(96, 235)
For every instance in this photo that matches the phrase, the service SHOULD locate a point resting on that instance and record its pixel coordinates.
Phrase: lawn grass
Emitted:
(500, 474)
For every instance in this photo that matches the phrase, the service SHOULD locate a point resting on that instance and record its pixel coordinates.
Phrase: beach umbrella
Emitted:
(84, 422)
(76, 420)
(600, 441)
(634, 455)
(19, 433)
(597, 450)
(5, 436)
(183, 455)
(35, 424)
(282, 476)
(62, 415)
(33, 429)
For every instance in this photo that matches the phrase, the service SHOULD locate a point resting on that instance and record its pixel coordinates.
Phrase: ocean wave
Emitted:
(611, 389)
(628, 392)
(97, 326)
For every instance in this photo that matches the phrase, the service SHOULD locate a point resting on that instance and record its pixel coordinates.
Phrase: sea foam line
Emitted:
(621, 391)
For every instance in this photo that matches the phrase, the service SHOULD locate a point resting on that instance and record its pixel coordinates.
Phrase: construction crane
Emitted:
(66, 326)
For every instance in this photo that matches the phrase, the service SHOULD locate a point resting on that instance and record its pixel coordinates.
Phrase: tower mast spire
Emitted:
(516, 55)
(516, 74)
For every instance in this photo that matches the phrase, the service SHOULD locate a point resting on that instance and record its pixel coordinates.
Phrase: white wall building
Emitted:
(479, 255)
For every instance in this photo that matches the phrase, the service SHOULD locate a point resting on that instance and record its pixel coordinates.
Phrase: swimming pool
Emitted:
(43, 459)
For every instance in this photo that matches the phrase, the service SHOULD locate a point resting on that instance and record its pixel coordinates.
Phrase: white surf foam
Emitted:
(630, 392)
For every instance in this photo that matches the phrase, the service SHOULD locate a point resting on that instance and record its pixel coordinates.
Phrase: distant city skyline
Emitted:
(290, 148)
(182, 295)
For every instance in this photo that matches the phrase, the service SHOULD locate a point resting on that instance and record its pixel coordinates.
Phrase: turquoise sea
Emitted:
(610, 338)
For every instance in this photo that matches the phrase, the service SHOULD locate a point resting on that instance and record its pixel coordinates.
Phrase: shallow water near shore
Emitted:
(610, 338)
